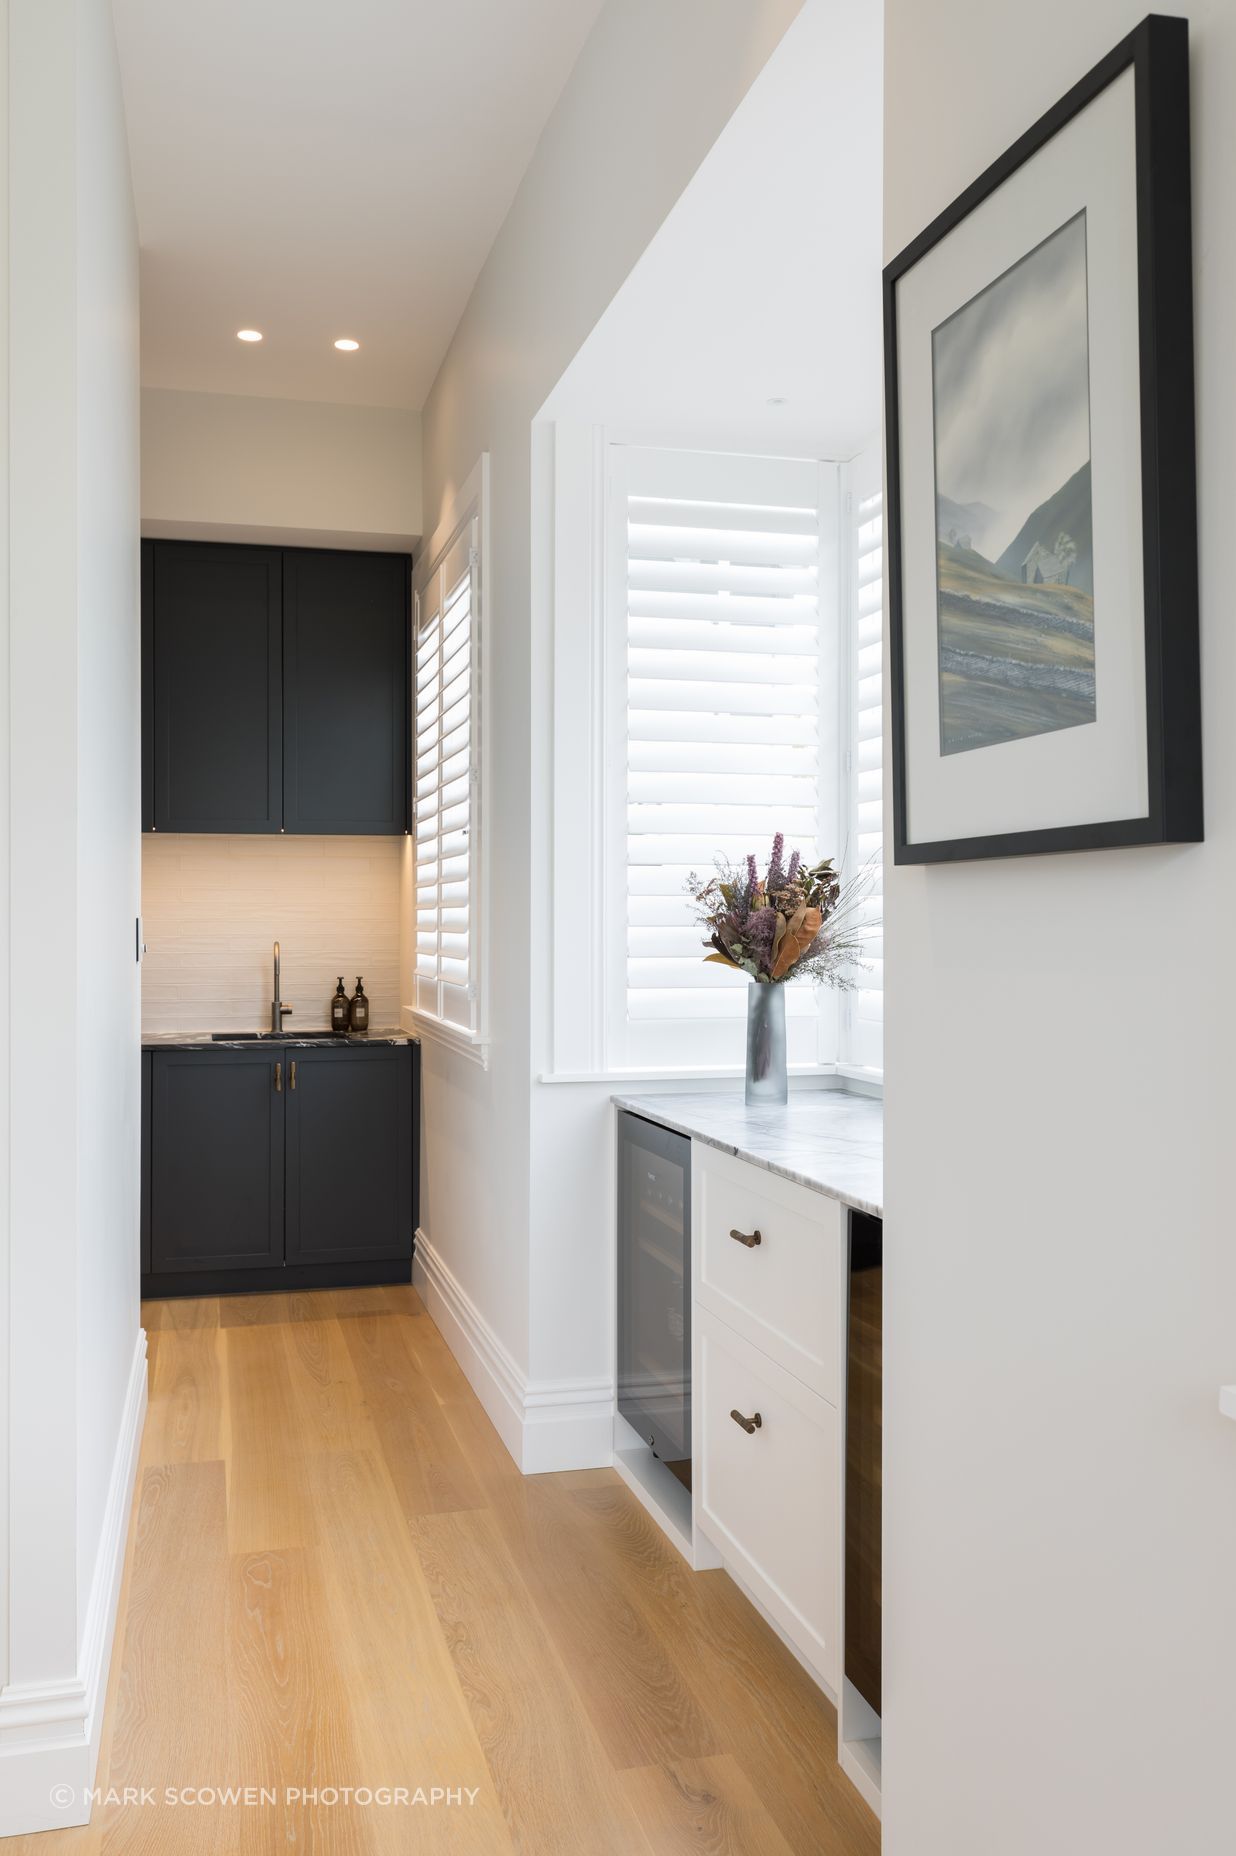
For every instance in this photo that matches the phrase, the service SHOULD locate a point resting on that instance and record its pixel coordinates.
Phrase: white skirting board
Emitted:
(546, 1425)
(49, 1731)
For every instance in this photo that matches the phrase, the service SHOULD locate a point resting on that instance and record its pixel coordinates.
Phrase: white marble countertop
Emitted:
(245, 1040)
(823, 1138)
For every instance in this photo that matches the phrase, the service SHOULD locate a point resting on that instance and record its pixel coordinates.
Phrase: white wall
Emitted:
(108, 769)
(653, 87)
(240, 467)
(1060, 1281)
(763, 283)
(72, 1358)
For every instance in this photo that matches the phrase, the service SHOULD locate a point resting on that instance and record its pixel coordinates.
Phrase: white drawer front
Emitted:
(784, 1292)
(768, 1499)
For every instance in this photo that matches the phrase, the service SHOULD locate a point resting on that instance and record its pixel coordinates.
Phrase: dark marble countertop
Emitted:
(204, 1040)
(827, 1139)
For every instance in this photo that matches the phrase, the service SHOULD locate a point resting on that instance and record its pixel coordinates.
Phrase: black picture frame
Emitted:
(1158, 52)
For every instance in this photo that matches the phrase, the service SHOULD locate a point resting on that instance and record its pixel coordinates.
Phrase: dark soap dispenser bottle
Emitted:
(340, 1012)
(360, 1007)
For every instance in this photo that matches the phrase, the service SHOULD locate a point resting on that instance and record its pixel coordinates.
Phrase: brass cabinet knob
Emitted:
(749, 1238)
(749, 1425)
(279, 1079)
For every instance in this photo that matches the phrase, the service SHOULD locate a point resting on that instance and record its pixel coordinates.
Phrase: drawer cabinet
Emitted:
(786, 1337)
(770, 1264)
(768, 1496)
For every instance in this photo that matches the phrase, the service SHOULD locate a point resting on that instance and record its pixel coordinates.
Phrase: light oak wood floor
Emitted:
(337, 1578)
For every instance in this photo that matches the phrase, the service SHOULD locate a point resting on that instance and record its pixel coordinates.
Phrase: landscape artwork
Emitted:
(1014, 550)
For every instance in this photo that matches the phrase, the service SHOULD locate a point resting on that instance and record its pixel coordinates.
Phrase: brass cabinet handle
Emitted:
(278, 1079)
(749, 1238)
(292, 1074)
(750, 1424)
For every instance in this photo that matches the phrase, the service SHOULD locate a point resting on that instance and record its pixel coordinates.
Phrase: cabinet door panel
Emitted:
(345, 691)
(349, 1154)
(147, 1090)
(148, 745)
(217, 1159)
(768, 1497)
(214, 628)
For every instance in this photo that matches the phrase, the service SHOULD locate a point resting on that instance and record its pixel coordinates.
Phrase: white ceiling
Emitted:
(764, 281)
(321, 168)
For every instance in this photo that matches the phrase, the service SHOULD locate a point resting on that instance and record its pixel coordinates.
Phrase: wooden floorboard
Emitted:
(337, 1578)
(430, 1472)
(559, 1792)
(702, 1804)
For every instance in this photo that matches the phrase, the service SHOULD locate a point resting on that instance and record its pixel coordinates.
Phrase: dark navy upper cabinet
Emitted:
(148, 548)
(215, 620)
(349, 1154)
(216, 1159)
(274, 689)
(345, 691)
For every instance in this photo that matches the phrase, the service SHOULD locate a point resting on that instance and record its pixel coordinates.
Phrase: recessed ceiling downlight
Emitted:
(347, 345)
(248, 335)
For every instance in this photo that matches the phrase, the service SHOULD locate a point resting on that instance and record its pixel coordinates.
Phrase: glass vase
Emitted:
(766, 1077)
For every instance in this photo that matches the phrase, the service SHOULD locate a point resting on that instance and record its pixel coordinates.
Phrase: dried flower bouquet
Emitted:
(795, 920)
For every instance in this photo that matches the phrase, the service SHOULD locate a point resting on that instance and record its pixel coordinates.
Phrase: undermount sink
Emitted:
(269, 1037)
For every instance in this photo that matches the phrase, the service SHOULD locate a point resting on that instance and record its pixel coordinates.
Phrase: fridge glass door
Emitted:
(654, 1287)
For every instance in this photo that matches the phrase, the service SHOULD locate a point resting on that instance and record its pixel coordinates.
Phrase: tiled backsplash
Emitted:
(211, 907)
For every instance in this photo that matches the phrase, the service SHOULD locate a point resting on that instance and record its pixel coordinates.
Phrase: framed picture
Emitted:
(1041, 525)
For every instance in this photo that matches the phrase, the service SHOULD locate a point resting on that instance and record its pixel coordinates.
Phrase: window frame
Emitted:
(627, 1048)
(862, 478)
(468, 509)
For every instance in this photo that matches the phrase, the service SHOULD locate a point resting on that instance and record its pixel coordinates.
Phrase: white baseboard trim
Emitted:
(49, 1731)
(489, 1368)
(545, 1424)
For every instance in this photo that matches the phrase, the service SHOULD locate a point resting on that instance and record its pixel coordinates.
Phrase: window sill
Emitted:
(451, 1037)
(809, 1075)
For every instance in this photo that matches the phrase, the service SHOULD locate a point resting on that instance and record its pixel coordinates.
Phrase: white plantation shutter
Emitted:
(718, 692)
(447, 770)
(866, 1007)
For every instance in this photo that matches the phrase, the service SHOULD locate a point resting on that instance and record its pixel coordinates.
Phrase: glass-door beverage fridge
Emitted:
(654, 1288)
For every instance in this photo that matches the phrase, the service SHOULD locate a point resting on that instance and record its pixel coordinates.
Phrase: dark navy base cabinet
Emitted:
(277, 1167)
(349, 1155)
(147, 1083)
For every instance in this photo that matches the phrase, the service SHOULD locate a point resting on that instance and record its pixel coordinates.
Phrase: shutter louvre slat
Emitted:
(721, 718)
(445, 687)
